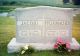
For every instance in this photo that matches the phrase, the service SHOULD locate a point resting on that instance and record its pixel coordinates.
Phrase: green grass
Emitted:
(76, 27)
(7, 32)
(53, 53)
(7, 8)
(7, 29)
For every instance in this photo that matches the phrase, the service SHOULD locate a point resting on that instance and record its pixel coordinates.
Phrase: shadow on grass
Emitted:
(49, 53)
(3, 52)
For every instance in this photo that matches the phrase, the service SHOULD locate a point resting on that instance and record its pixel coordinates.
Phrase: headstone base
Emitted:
(14, 46)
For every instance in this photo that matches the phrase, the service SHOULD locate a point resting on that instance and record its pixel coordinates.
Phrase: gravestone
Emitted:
(41, 26)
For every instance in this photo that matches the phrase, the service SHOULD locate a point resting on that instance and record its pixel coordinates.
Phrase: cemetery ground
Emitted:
(7, 32)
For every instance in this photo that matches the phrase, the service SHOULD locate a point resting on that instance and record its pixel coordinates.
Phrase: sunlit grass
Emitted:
(76, 27)
(7, 29)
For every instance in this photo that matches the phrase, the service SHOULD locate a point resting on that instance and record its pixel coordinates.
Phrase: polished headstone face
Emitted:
(43, 24)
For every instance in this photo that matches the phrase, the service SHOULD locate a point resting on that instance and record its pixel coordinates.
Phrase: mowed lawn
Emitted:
(76, 27)
(7, 32)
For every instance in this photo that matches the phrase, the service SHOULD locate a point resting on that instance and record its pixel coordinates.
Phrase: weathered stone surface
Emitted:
(41, 26)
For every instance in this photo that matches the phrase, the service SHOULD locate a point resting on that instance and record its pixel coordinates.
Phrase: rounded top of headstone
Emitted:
(43, 7)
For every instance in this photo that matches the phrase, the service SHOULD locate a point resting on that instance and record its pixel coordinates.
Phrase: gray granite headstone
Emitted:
(41, 26)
